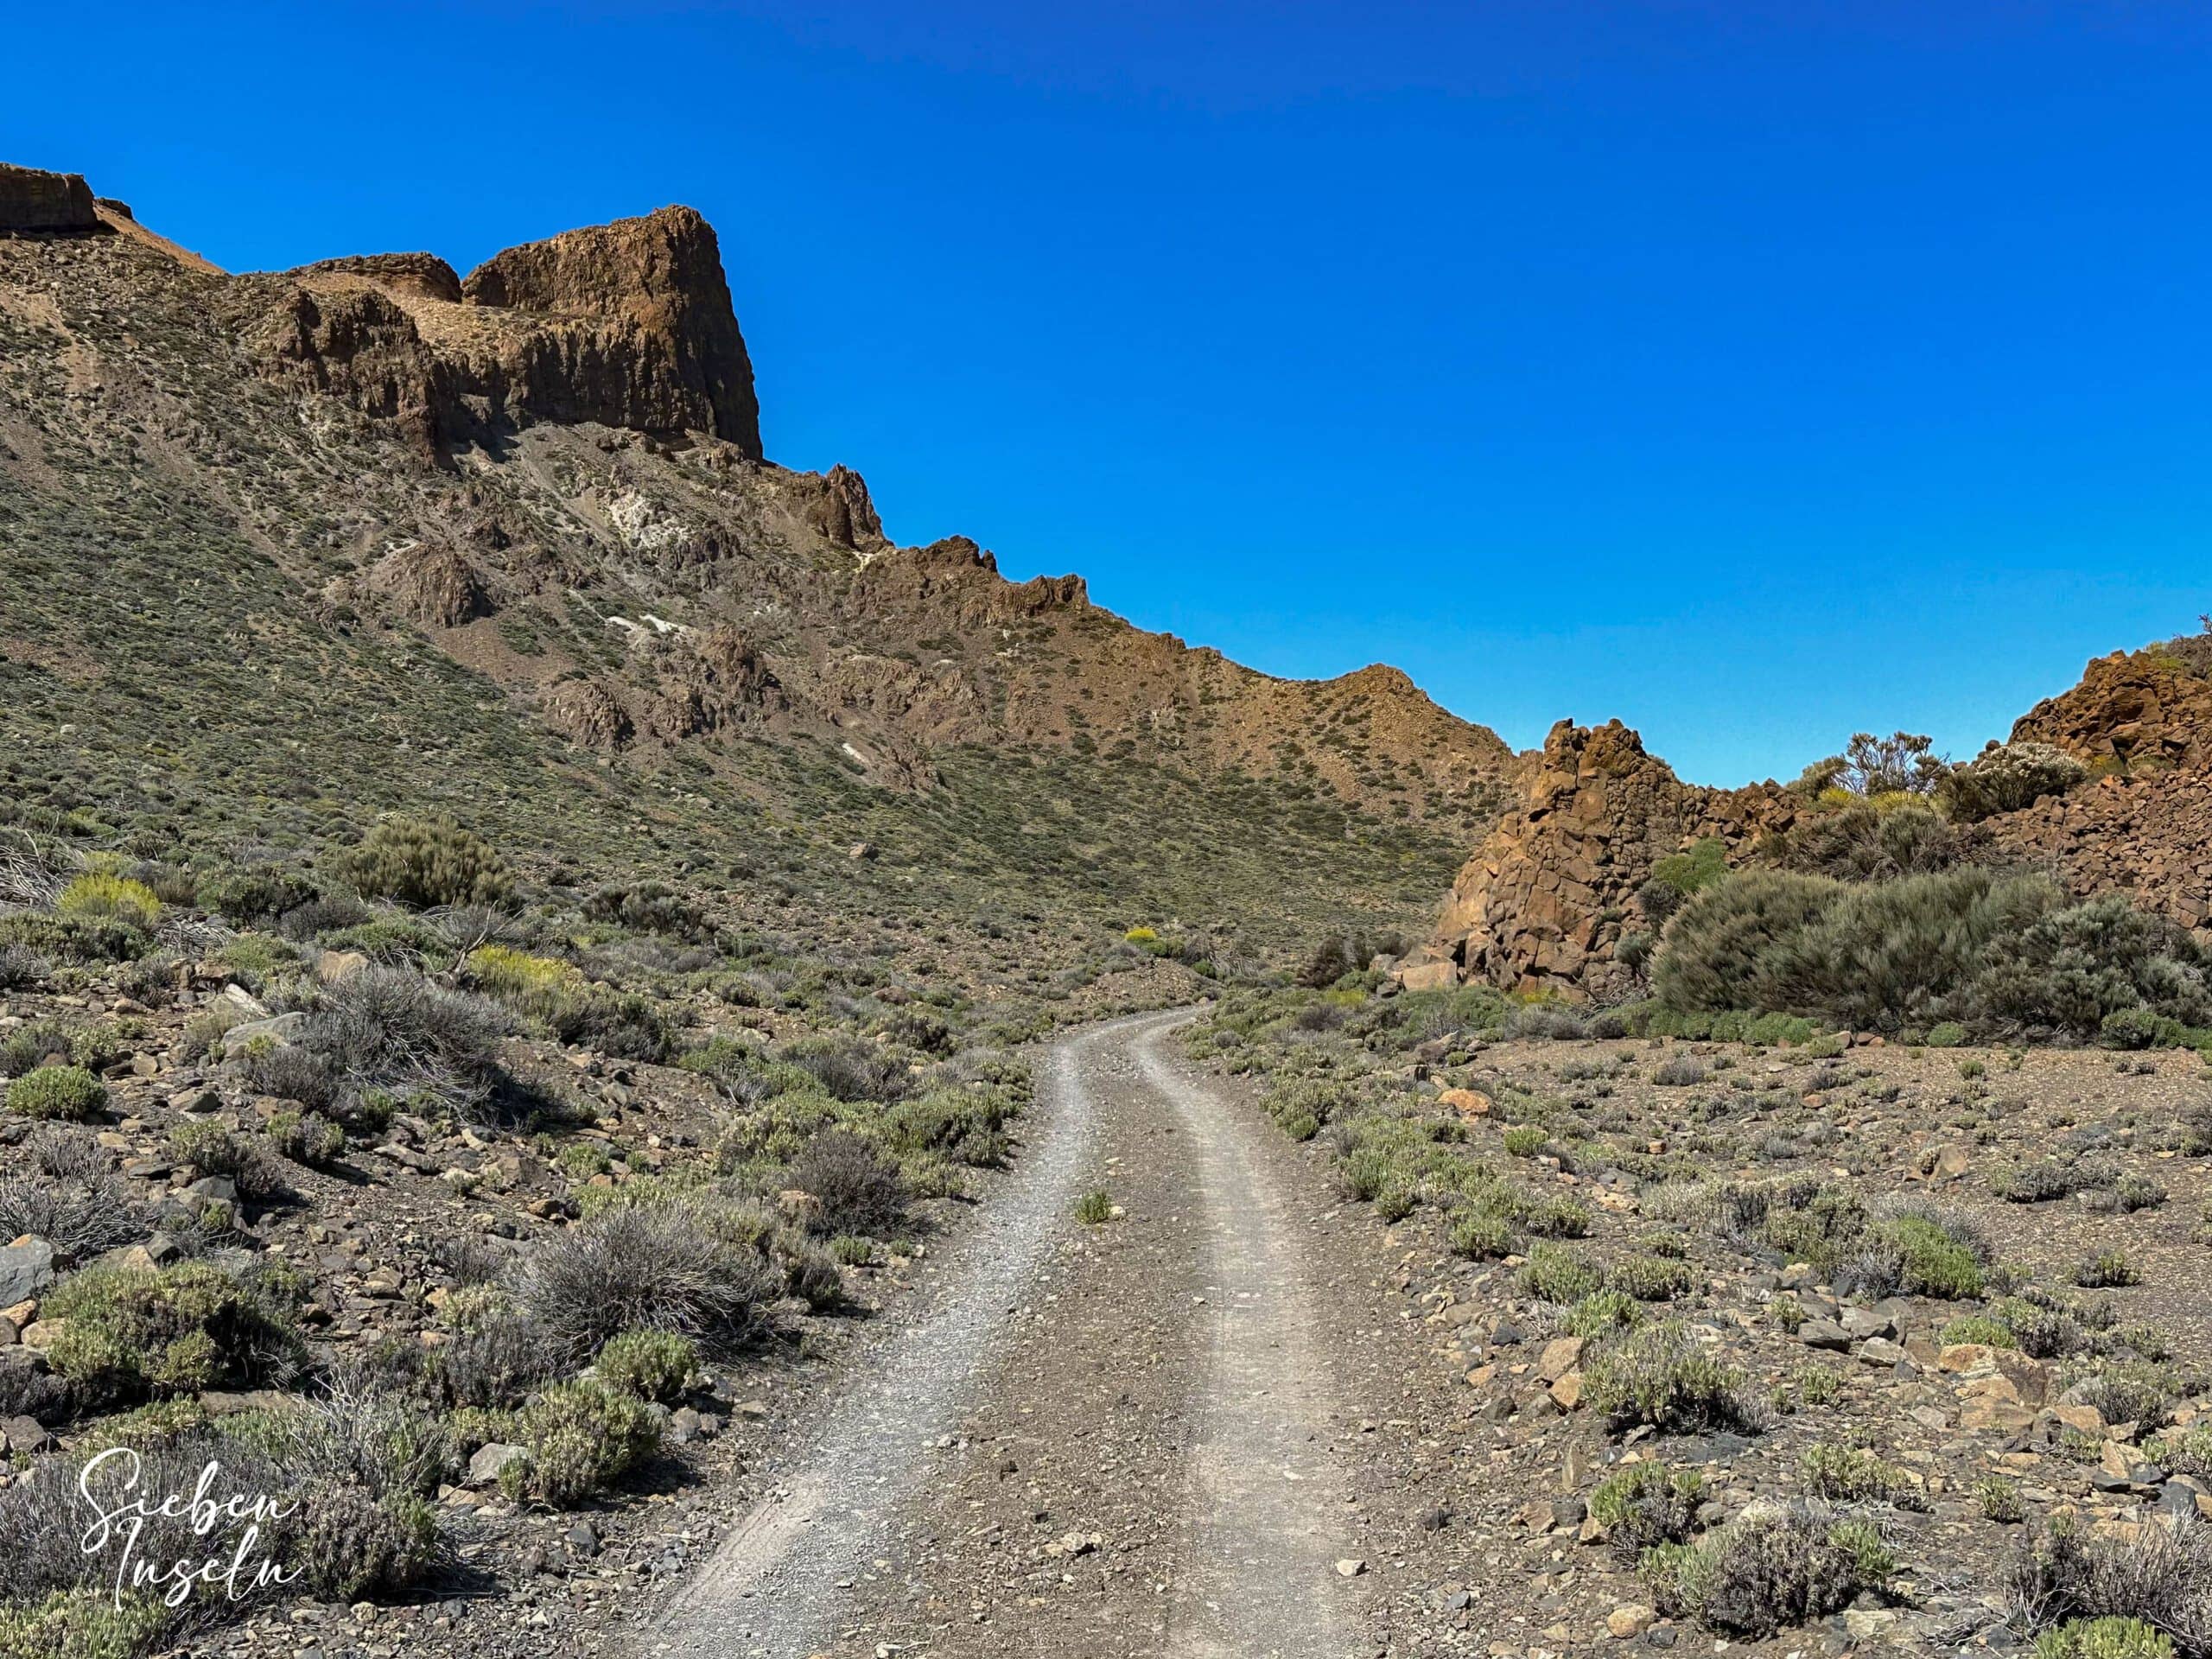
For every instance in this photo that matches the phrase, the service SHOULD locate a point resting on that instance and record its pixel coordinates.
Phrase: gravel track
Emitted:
(1129, 1439)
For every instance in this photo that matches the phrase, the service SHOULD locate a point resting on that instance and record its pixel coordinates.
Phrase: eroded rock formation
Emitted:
(1543, 904)
(32, 200)
(628, 325)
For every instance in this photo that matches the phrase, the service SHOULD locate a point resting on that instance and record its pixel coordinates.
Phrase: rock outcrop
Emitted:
(32, 200)
(628, 325)
(633, 325)
(2134, 710)
(1543, 904)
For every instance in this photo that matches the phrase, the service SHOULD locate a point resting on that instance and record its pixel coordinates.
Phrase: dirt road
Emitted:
(1183, 1433)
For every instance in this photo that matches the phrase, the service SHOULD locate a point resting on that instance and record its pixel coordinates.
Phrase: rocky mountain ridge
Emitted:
(550, 471)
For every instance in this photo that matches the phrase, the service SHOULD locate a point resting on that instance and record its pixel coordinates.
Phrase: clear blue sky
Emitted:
(1752, 372)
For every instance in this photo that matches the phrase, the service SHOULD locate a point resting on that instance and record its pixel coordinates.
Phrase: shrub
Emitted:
(2105, 1270)
(127, 1332)
(2105, 1638)
(1481, 1234)
(1094, 1207)
(1525, 1141)
(1650, 1278)
(658, 1267)
(496, 1360)
(1998, 953)
(2004, 778)
(1933, 1261)
(1771, 1566)
(2141, 1392)
(1659, 1375)
(1869, 841)
(425, 862)
(309, 1139)
(2036, 1181)
(1681, 1072)
(214, 1150)
(859, 1192)
(538, 986)
(1556, 1273)
(1853, 1474)
(1645, 1505)
(1602, 1313)
(656, 1365)
(850, 1069)
(389, 1030)
(54, 1092)
(99, 896)
(578, 1438)
(71, 1201)
(648, 907)
(2158, 1574)
(1999, 1500)
(21, 966)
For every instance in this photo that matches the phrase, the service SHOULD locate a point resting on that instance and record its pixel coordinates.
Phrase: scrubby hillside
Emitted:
(285, 551)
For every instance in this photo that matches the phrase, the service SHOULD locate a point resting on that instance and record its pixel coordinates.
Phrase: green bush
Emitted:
(1525, 1141)
(102, 896)
(1094, 1207)
(1603, 1312)
(1645, 1505)
(1771, 1567)
(2105, 1638)
(1997, 954)
(1556, 1273)
(1650, 1278)
(127, 1332)
(57, 1092)
(1479, 1234)
(578, 1438)
(1659, 1375)
(307, 1138)
(83, 1625)
(2004, 778)
(1935, 1262)
(425, 862)
(1853, 1474)
(657, 1365)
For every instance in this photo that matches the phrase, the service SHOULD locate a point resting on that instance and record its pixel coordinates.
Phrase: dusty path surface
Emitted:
(1194, 1432)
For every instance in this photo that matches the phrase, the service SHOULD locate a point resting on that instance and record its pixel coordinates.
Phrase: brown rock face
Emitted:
(627, 324)
(1543, 903)
(643, 327)
(2132, 708)
(32, 200)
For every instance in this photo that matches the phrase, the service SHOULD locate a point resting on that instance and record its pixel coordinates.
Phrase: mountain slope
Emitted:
(283, 549)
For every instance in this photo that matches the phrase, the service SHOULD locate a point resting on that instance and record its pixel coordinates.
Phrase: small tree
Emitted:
(1903, 763)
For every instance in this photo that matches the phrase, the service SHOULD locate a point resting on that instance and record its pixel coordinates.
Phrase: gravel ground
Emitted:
(1207, 1427)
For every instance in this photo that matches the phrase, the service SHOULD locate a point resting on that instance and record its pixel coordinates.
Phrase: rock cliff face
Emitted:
(627, 325)
(1543, 904)
(32, 200)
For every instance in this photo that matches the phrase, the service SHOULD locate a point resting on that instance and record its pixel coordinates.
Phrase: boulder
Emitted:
(26, 1269)
(486, 1463)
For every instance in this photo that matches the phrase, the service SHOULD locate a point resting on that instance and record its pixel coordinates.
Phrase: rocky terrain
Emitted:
(1704, 1304)
(577, 1011)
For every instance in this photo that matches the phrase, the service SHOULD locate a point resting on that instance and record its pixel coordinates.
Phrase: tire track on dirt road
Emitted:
(1160, 1384)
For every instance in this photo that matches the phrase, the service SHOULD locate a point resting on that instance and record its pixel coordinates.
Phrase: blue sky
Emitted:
(1754, 372)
